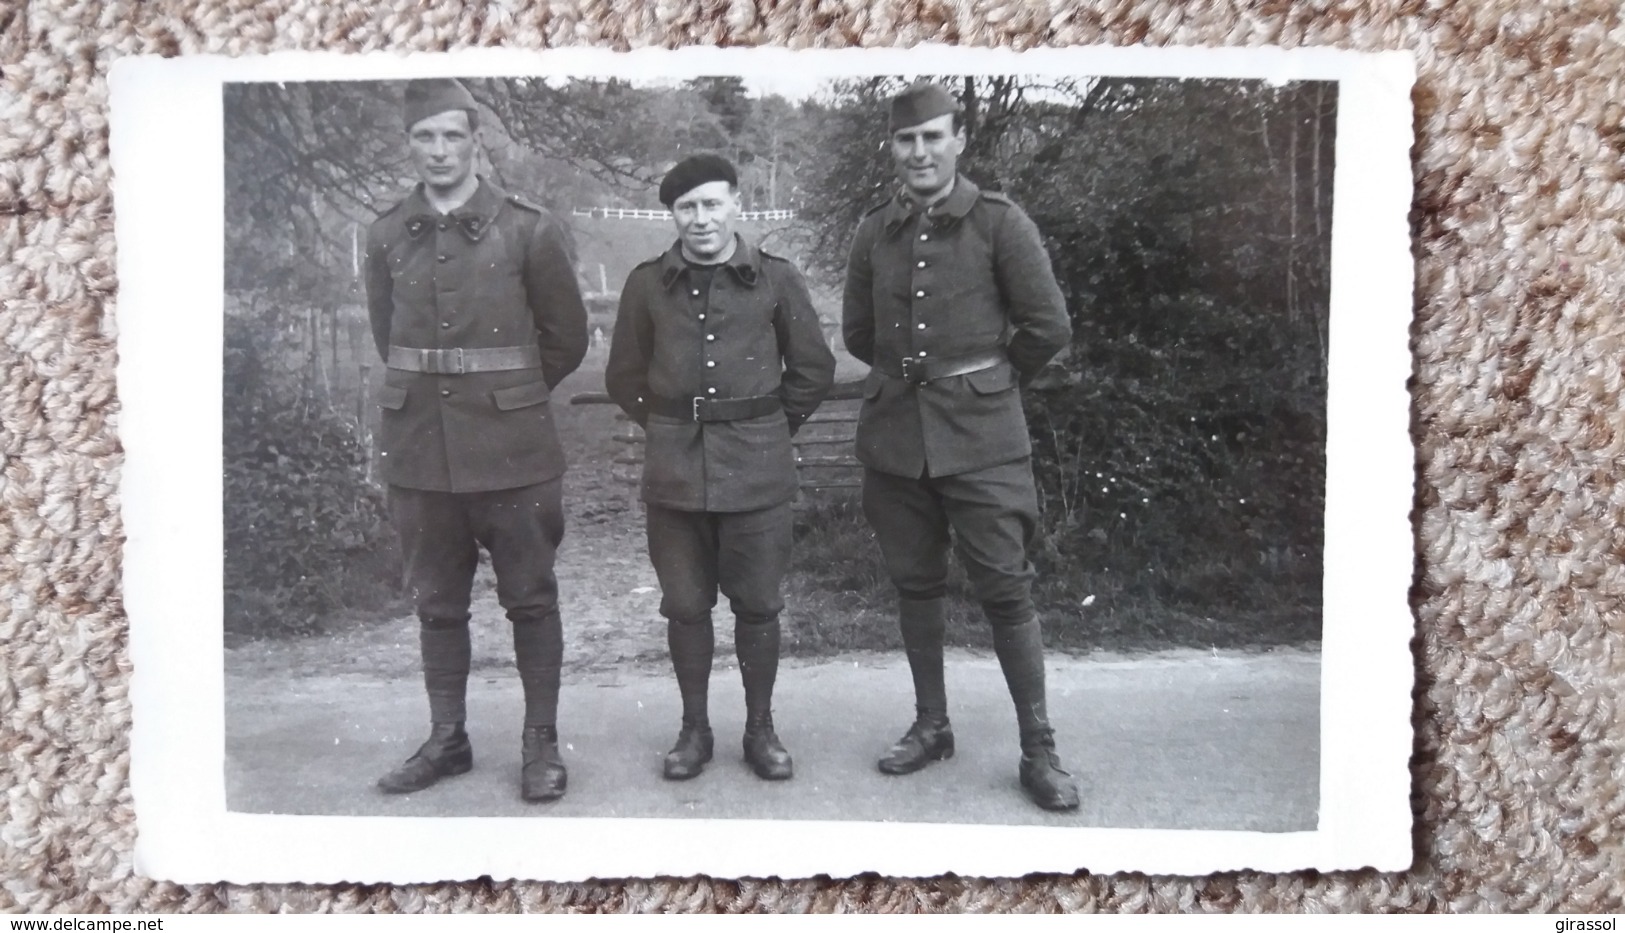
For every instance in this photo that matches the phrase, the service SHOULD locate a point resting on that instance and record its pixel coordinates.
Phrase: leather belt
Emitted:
(700, 408)
(920, 370)
(458, 360)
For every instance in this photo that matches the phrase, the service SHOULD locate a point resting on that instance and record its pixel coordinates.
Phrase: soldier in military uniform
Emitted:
(477, 314)
(951, 299)
(718, 354)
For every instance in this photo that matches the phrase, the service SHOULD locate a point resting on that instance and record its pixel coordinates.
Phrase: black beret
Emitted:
(921, 102)
(429, 96)
(693, 172)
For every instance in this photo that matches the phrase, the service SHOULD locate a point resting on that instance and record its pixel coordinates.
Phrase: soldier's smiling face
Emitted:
(927, 155)
(443, 149)
(706, 216)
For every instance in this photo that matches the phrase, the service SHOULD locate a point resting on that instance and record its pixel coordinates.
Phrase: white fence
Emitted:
(631, 213)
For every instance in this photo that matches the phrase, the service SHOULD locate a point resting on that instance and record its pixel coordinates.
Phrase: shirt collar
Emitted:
(955, 206)
(473, 218)
(745, 263)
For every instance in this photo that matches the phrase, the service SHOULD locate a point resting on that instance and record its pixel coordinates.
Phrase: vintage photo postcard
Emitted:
(766, 463)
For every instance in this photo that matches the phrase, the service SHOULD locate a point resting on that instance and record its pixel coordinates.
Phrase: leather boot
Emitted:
(1021, 656)
(929, 739)
(691, 644)
(691, 753)
(764, 752)
(1042, 777)
(541, 773)
(446, 753)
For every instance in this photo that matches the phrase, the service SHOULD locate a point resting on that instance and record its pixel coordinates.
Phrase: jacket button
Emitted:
(695, 293)
(442, 225)
(922, 353)
(711, 391)
(445, 393)
(444, 324)
(920, 264)
(702, 315)
(924, 236)
(443, 257)
(919, 294)
(710, 336)
(710, 364)
(920, 326)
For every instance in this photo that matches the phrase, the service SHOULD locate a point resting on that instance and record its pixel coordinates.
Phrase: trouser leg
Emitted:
(522, 528)
(440, 554)
(994, 514)
(753, 555)
(911, 526)
(683, 551)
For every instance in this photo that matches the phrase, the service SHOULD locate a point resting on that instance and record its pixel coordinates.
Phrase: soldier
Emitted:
(718, 353)
(476, 311)
(951, 300)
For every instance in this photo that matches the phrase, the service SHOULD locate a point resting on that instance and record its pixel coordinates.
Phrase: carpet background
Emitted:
(1519, 341)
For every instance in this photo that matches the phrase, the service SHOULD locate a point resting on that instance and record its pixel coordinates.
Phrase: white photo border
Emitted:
(168, 163)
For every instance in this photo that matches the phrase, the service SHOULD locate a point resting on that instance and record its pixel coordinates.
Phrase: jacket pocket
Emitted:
(531, 393)
(993, 381)
(392, 398)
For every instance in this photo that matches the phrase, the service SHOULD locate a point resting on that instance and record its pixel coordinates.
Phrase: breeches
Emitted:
(441, 533)
(745, 554)
(987, 516)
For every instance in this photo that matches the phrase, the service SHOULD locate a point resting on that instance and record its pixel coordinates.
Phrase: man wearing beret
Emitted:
(951, 299)
(718, 354)
(477, 314)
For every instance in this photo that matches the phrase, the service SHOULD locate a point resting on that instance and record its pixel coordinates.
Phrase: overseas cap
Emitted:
(693, 172)
(921, 102)
(429, 96)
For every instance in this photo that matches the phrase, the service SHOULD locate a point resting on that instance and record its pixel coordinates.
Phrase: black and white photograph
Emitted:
(919, 462)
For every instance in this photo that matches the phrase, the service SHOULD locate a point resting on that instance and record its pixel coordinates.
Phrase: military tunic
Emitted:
(493, 273)
(967, 276)
(752, 332)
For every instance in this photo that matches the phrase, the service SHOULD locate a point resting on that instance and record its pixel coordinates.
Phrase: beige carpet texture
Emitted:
(1518, 418)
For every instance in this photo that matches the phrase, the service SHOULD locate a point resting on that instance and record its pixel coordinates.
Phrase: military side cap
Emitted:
(693, 172)
(921, 102)
(429, 96)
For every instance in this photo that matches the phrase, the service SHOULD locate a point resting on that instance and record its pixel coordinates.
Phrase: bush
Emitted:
(306, 533)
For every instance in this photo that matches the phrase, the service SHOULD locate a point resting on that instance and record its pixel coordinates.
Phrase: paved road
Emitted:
(1186, 740)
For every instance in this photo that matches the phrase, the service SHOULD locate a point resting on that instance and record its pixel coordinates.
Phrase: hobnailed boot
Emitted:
(1020, 649)
(446, 753)
(1042, 777)
(757, 646)
(691, 644)
(929, 739)
(922, 623)
(690, 755)
(764, 752)
(541, 773)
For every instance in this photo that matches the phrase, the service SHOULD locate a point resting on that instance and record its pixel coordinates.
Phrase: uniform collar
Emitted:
(955, 206)
(473, 218)
(745, 263)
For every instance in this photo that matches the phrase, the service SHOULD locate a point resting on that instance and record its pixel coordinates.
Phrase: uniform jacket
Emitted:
(493, 273)
(968, 276)
(754, 334)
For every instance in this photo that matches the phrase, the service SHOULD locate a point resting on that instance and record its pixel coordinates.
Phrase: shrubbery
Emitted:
(305, 532)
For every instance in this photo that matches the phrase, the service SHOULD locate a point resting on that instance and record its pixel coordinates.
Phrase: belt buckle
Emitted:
(461, 367)
(696, 407)
(910, 376)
